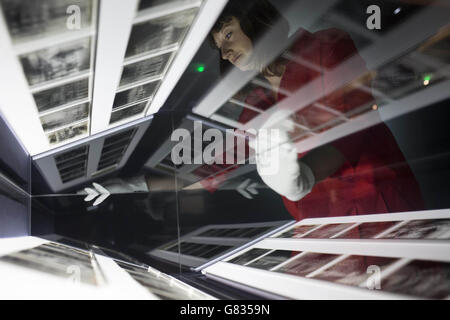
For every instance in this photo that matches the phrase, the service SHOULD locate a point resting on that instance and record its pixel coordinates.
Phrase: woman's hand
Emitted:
(277, 159)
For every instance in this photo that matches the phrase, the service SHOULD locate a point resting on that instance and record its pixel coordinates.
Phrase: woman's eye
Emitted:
(228, 35)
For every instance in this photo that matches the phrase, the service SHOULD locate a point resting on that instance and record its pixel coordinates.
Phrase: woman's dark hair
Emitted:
(256, 19)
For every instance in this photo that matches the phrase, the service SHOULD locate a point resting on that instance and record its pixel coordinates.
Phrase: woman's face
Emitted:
(234, 44)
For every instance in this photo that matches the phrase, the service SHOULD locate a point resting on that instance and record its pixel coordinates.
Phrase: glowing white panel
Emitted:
(206, 18)
(115, 22)
(16, 102)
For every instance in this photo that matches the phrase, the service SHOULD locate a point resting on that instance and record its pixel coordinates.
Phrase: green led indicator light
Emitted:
(427, 78)
(200, 68)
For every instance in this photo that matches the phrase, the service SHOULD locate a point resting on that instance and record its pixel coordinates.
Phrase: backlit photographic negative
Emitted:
(297, 232)
(65, 117)
(161, 286)
(159, 33)
(56, 62)
(145, 4)
(307, 263)
(144, 69)
(68, 133)
(41, 18)
(328, 230)
(62, 95)
(422, 229)
(54, 260)
(248, 256)
(127, 112)
(135, 94)
(69, 155)
(273, 259)
(367, 230)
(354, 270)
(425, 279)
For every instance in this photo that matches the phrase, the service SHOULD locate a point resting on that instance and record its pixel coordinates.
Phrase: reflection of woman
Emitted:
(359, 174)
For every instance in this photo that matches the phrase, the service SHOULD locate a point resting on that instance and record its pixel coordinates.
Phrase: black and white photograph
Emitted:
(307, 263)
(54, 260)
(68, 133)
(57, 62)
(248, 256)
(62, 95)
(159, 33)
(353, 270)
(367, 230)
(127, 112)
(327, 231)
(145, 69)
(38, 19)
(422, 229)
(135, 94)
(425, 279)
(65, 117)
(272, 259)
(297, 232)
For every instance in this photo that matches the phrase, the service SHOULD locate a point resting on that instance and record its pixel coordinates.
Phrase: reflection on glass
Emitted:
(310, 83)
(426, 279)
(297, 232)
(307, 263)
(354, 270)
(367, 230)
(422, 229)
(272, 259)
(248, 256)
(328, 230)
(54, 259)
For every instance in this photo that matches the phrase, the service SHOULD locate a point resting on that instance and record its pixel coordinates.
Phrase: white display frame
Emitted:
(294, 287)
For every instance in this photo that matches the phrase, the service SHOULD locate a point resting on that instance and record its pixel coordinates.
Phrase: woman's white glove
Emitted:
(277, 160)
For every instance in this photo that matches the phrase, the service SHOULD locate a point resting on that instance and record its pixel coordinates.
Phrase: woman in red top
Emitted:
(362, 173)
